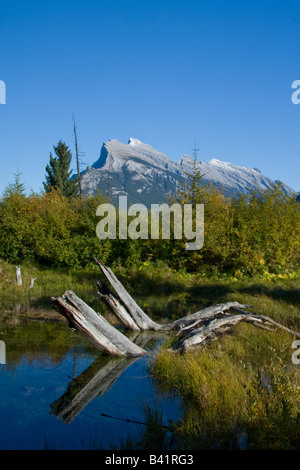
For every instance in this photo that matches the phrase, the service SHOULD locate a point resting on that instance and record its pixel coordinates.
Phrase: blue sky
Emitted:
(164, 72)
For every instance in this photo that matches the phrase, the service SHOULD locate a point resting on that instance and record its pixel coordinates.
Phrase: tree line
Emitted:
(255, 234)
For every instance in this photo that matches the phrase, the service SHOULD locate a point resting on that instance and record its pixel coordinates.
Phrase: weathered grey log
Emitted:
(18, 276)
(204, 333)
(116, 307)
(193, 330)
(192, 320)
(140, 318)
(214, 328)
(94, 327)
(129, 313)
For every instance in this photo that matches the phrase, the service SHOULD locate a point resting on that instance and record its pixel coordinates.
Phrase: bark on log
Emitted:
(192, 330)
(125, 308)
(116, 307)
(94, 327)
(140, 318)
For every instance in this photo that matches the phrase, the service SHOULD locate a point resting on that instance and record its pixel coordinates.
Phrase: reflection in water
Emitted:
(2, 353)
(97, 379)
(35, 387)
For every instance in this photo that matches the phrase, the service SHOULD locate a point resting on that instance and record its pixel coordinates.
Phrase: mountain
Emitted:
(148, 176)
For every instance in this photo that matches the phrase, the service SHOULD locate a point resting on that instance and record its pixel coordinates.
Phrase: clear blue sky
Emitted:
(166, 72)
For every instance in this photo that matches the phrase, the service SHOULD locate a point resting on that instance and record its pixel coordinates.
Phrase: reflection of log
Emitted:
(2, 353)
(97, 379)
(193, 330)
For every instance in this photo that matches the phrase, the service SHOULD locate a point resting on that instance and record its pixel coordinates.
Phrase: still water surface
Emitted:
(54, 388)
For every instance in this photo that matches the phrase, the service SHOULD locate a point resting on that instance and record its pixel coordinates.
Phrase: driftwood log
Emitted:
(196, 329)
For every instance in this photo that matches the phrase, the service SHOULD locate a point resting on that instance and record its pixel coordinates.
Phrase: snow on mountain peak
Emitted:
(217, 162)
(133, 141)
(149, 176)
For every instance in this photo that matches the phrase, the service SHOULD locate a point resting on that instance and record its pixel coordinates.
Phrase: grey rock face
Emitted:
(148, 176)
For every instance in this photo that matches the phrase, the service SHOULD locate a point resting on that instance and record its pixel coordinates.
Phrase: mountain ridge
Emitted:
(148, 176)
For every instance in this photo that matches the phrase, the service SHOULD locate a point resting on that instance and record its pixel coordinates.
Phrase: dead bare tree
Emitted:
(194, 330)
(77, 156)
(18, 276)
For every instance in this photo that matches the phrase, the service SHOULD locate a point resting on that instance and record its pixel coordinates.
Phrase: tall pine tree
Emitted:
(17, 187)
(58, 172)
(191, 191)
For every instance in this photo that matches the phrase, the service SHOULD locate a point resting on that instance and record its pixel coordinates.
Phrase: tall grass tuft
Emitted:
(238, 394)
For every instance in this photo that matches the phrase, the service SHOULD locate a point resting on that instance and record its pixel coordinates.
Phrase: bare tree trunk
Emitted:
(192, 330)
(2, 352)
(94, 327)
(77, 156)
(18, 276)
(115, 306)
(141, 320)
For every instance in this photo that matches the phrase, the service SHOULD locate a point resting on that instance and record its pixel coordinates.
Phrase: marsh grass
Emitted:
(243, 389)
(48, 283)
(239, 392)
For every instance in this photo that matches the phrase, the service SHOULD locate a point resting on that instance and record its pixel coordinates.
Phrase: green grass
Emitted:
(240, 392)
(243, 390)
(246, 388)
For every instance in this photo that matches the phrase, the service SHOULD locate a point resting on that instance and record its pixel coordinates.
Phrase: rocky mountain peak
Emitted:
(146, 175)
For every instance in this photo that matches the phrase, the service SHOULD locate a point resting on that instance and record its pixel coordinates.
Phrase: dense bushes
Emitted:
(256, 234)
(49, 229)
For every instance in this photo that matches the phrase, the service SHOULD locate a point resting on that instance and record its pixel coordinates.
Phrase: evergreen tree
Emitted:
(17, 187)
(58, 172)
(191, 191)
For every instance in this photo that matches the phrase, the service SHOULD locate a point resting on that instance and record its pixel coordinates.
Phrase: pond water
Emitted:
(55, 388)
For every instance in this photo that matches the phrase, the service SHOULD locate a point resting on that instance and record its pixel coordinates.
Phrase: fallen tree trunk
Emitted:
(94, 327)
(125, 309)
(192, 330)
(139, 318)
(116, 307)
(217, 327)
